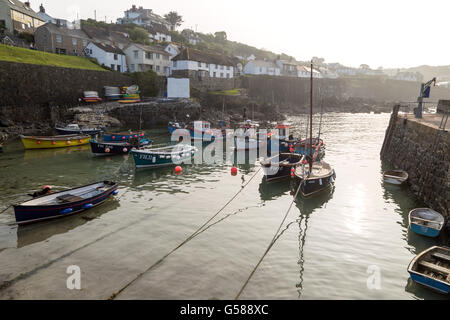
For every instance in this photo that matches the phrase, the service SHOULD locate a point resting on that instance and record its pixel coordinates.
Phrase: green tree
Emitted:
(174, 19)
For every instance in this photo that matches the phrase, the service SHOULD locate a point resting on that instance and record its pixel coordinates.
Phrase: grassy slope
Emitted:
(21, 55)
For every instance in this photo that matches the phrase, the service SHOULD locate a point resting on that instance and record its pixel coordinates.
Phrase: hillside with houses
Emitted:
(142, 40)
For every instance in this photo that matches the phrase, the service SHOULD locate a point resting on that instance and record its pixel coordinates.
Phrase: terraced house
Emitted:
(17, 17)
(56, 38)
(143, 58)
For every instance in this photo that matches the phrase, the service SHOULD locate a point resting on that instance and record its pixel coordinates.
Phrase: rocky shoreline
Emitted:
(157, 112)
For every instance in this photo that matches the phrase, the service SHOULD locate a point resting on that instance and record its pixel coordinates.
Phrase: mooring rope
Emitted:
(115, 294)
(274, 239)
(6, 208)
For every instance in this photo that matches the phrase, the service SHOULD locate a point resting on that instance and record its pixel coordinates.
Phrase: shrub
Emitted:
(147, 82)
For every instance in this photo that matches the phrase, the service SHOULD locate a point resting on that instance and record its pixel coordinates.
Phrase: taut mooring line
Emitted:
(275, 237)
(115, 294)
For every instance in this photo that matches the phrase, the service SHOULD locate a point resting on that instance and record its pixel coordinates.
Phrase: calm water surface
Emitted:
(327, 245)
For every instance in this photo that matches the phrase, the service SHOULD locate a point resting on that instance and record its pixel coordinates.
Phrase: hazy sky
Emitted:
(388, 33)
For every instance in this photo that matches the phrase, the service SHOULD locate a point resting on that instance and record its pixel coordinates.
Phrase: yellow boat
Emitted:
(46, 142)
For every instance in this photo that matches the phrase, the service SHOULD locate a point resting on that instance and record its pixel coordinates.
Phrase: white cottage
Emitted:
(172, 49)
(108, 55)
(194, 63)
(262, 67)
(305, 72)
(143, 58)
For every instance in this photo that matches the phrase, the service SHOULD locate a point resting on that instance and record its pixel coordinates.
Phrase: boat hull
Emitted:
(430, 283)
(121, 136)
(104, 148)
(36, 143)
(313, 186)
(29, 214)
(424, 231)
(153, 159)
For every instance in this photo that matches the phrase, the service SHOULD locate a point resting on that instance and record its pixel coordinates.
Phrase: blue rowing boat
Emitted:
(164, 156)
(426, 222)
(431, 268)
(64, 203)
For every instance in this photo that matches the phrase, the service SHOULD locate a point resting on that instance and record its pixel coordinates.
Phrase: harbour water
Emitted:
(332, 245)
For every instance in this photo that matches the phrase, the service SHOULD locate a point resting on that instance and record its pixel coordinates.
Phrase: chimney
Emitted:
(58, 23)
(27, 3)
(133, 7)
(41, 8)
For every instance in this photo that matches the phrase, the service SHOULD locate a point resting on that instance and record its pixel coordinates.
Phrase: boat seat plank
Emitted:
(68, 198)
(434, 267)
(441, 256)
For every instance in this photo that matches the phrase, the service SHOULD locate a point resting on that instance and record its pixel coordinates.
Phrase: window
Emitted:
(174, 64)
(84, 43)
(166, 69)
(260, 69)
(163, 39)
(166, 58)
(115, 56)
(157, 68)
(75, 52)
(136, 54)
(131, 67)
(228, 75)
(118, 67)
(23, 25)
(74, 41)
(228, 67)
(148, 55)
(199, 64)
(221, 74)
(113, 67)
(58, 38)
(158, 56)
(221, 67)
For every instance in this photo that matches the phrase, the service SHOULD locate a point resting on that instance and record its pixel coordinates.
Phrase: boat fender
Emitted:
(80, 141)
(38, 142)
(124, 149)
(53, 142)
(67, 142)
(66, 211)
(107, 150)
(113, 137)
(87, 205)
(115, 192)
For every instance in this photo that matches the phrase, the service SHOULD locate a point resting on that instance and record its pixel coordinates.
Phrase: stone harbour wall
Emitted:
(423, 150)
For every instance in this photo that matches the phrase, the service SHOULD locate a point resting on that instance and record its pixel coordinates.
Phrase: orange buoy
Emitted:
(80, 141)
(234, 171)
(178, 169)
(53, 142)
(293, 169)
(107, 150)
(68, 142)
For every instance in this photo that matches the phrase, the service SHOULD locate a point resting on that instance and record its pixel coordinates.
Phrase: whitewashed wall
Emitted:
(107, 58)
(178, 88)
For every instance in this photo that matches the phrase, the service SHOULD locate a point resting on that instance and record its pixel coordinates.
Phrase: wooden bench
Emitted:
(69, 198)
(443, 271)
(441, 256)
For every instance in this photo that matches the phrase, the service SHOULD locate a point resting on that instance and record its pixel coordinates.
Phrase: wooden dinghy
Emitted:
(395, 176)
(322, 176)
(42, 142)
(426, 222)
(431, 268)
(158, 157)
(280, 166)
(63, 203)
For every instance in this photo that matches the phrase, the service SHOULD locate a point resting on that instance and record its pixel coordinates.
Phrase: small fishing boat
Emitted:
(280, 139)
(395, 176)
(43, 142)
(426, 222)
(280, 166)
(431, 268)
(74, 128)
(172, 126)
(122, 136)
(100, 148)
(247, 138)
(320, 178)
(164, 156)
(64, 203)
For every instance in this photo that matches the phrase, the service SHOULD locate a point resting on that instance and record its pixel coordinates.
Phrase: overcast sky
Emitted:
(388, 33)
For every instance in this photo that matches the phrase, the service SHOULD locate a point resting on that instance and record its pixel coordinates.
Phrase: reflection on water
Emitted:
(359, 222)
(307, 207)
(32, 233)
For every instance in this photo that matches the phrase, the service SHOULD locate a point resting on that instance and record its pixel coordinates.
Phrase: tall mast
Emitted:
(310, 122)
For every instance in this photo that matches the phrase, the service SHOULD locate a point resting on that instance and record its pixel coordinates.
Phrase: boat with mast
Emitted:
(316, 176)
